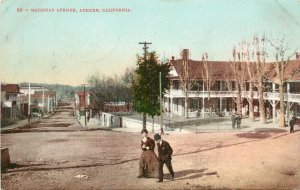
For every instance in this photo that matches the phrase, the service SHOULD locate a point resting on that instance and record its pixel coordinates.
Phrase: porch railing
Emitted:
(292, 97)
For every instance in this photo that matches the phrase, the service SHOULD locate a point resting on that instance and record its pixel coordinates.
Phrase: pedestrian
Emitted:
(88, 117)
(148, 165)
(29, 118)
(292, 123)
(165, 152)
(238, 121)
(233, 120)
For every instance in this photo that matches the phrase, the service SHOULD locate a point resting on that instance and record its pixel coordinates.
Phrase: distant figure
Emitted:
(292, 123)
(148, 165)
(233, 120)
(88, 117)
(165, 152)
(29, 118)
(238, 121)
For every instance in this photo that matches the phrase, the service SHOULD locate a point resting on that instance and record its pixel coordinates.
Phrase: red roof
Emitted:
(221, 70)
(10, 88)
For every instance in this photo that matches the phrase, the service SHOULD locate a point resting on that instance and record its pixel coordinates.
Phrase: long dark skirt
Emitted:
(149, 164)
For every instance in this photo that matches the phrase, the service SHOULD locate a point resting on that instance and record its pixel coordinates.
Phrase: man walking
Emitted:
(165, 152)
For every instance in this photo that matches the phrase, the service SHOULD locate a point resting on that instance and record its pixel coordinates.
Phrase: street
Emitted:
(49, 154)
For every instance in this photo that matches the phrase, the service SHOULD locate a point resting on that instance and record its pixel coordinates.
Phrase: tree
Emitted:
(246, 57)
(236, 72)
(281, 75)
(208, 78)
(145, 85)
(259, 56)
(187, 78)
(109, 89)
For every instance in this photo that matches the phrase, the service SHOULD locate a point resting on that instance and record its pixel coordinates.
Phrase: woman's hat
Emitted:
(144, 131)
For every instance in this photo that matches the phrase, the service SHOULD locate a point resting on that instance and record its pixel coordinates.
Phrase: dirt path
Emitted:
(50, 154)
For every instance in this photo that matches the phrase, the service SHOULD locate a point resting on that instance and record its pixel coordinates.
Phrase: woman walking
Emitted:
(148, 165)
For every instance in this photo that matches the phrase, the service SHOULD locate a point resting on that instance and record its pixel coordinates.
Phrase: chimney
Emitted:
(297, 55)
(185, 54)
(173, 58)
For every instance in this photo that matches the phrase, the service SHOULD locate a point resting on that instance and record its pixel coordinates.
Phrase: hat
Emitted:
(144, 131)
(157, 137)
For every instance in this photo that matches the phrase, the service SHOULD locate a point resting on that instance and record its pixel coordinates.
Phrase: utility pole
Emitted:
(48, 103)
(29, 100)
(145, 59)
(84, 104)
(161, 107)
(145, 49)
(43, 99)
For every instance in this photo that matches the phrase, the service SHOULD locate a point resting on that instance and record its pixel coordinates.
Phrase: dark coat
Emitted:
(238, 120)
(150, 143)
(165, 151)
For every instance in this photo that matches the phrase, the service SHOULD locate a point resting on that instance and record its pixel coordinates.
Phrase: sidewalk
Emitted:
(22, 123)
(180, 125)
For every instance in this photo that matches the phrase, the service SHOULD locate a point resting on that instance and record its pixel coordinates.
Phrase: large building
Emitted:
(222, 97)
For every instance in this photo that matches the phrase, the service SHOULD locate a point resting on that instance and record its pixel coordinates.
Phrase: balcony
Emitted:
(227, 94)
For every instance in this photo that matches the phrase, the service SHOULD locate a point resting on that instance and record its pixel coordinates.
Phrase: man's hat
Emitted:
(157, 137)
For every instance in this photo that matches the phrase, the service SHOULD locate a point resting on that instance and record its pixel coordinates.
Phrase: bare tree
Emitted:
(235, 69)
(251, 74)
(281, 76)
(259, 55)
(228, 77)
(208, 78)
(187, 78)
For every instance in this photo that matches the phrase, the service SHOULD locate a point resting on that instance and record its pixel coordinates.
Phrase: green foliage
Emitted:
(145, 85)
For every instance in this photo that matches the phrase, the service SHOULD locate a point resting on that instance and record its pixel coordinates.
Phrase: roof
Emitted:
(10, 88)
(221, 70)
(291, 71)
(196, 68)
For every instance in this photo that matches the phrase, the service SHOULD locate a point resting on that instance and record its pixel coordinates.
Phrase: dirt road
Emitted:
(49, 154)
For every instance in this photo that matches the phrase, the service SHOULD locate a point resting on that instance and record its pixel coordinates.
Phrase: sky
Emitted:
(67, 48)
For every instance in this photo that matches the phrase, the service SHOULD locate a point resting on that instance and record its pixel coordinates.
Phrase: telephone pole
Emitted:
(145, 49)
(161, 105)
(149, 86)
(84, 104)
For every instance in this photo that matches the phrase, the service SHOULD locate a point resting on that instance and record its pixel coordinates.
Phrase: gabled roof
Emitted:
(221, 70)
(196, 69)
(10, 88)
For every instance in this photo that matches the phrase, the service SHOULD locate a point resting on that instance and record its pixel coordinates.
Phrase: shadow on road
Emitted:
(49, 168)
(261, 133)
(15, 165)
(215, 147)
(190, 174)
